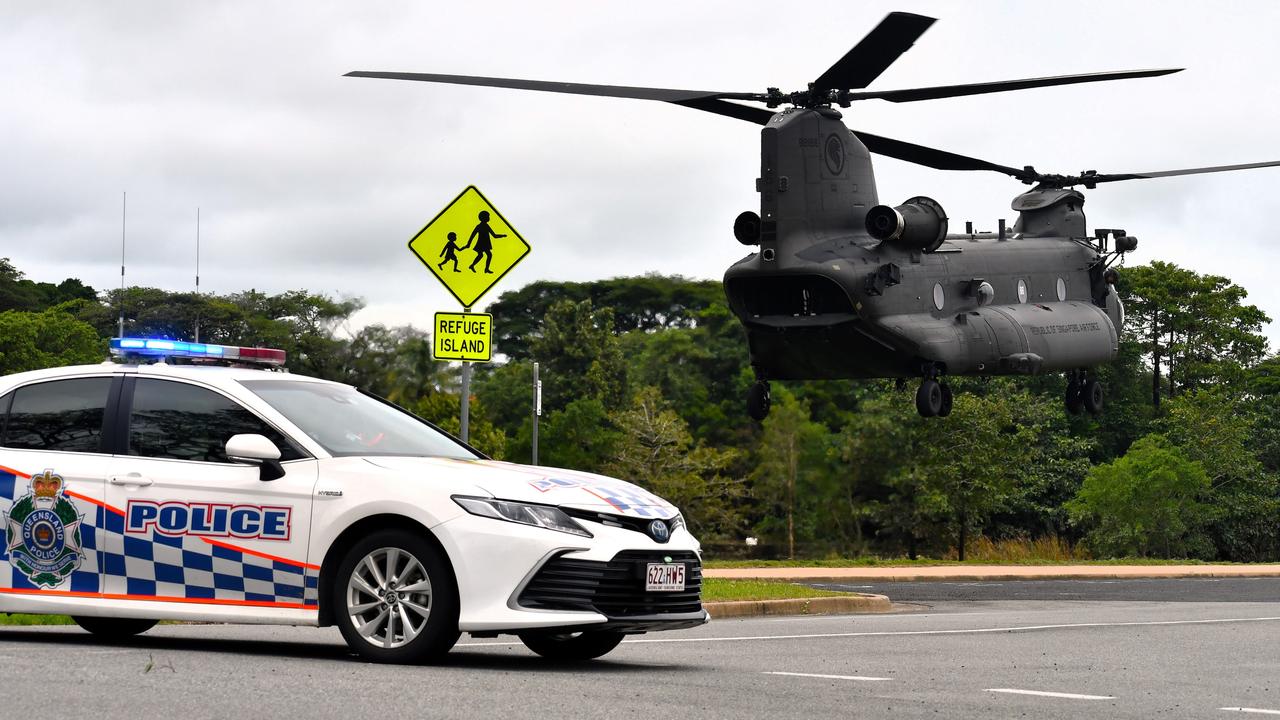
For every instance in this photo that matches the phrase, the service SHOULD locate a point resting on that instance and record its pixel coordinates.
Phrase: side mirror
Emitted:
(255, 449)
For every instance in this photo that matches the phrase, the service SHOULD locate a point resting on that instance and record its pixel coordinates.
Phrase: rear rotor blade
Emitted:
(875, 53)
(946, 91)
(639, 93)
(930, 157)
(1114, 177)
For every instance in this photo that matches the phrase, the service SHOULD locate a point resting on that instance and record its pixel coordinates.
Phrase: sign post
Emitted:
(537, 411)
(493, 248)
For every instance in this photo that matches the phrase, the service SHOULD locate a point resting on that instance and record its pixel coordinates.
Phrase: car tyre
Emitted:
(114, 628)
(395, 599)
(572, 647)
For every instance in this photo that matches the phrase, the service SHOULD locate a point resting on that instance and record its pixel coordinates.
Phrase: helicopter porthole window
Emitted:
(1022, 291)
(1062, 290)
(939, 297)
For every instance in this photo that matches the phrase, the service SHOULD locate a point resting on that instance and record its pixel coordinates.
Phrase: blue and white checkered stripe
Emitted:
(156, 566)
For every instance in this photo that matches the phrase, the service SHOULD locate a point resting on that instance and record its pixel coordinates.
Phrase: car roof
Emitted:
(207, 373)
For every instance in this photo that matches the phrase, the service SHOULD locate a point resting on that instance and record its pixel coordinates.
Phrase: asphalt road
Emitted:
(968, 659)
(1260, 589)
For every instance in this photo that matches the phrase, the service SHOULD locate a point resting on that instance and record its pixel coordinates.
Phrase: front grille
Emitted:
(638, 524)
(615, 588)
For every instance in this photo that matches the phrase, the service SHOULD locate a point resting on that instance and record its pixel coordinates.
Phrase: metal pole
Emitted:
(466, 400)
(537, 410)
(197, 274)
(124, 213)
(466, 396)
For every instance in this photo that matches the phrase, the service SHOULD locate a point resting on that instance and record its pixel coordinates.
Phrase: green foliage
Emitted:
(1148, 502)
(647, 304)
(839, 467)
(655, 450)
(36, 340)
(581, 356)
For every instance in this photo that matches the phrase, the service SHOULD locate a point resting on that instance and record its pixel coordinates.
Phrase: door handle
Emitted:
(130, 479)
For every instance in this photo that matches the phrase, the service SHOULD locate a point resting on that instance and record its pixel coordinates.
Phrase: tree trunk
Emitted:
(1155, 366)
(911, 546)
(964, 526)
(791, 498)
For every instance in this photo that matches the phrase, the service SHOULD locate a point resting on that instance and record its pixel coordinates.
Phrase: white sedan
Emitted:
(170, 486)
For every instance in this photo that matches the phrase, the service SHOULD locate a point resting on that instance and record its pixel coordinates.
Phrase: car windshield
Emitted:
(346, 422)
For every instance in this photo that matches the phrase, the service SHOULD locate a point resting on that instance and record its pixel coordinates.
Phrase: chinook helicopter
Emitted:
(845, 287)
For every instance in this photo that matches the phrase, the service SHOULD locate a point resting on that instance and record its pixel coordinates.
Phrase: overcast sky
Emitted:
(307, 179)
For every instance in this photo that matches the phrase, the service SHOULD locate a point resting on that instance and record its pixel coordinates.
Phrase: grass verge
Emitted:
(718, 590)
(24, 619)
(925, 562)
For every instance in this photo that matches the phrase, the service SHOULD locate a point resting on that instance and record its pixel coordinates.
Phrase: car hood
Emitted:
(537, 484)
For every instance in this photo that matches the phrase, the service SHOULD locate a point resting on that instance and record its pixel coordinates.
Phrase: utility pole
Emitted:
(124, 212)
(537, 410)
(197, 275)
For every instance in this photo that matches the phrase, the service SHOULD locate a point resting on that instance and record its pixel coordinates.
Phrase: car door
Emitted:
(192, 526)
(53, 465)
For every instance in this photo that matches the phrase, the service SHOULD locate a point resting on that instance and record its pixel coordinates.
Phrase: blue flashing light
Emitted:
(160, 348)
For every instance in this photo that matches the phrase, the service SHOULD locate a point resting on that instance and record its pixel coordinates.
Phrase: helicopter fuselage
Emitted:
(823, 315)
(823, 299)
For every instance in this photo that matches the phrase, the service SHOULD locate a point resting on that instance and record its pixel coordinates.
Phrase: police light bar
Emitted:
(124, 347)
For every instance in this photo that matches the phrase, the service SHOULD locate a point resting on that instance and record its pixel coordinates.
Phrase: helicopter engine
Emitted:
(917, 224)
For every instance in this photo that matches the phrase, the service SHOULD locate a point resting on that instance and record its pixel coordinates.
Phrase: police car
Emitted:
(187, 482)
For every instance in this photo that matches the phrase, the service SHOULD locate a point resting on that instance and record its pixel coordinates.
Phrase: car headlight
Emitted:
(544, 516)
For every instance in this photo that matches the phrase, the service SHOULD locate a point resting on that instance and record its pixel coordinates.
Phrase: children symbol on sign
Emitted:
(484, 236)
(449, 253)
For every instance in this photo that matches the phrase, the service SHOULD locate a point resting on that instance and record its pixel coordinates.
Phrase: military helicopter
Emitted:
(845, 287)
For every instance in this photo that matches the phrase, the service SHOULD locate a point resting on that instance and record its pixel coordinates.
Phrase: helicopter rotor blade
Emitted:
(947, 91)
(931, 157)
(895, 34)
(622, 91)
(759, 116)
(1115, 177)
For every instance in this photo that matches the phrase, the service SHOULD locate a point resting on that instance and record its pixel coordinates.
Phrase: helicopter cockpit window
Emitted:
(1022, 291)
(1062, 290)
(939, 297)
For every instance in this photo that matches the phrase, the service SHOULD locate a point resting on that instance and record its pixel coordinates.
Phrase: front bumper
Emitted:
(515, 578)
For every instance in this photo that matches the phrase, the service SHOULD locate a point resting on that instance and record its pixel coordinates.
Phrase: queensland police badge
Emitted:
(43, 533)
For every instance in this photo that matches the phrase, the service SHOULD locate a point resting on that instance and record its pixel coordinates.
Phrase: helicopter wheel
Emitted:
(929, 398)
(758, 401)
(1091, 396)
(945, 409)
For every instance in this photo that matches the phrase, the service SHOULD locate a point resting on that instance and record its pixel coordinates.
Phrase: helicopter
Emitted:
(844, 287)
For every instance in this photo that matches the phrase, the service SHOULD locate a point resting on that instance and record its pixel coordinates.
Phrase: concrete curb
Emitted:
(834, 605)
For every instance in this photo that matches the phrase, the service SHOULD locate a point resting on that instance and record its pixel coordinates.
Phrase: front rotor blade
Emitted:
(638, 93)
(875, 53)
(930, 157)
(1114, 177)
(759, 116)
(946, 91)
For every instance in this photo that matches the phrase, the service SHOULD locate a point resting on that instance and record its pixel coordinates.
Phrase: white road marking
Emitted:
(970, 631)
(1043, 693)
(826, 677)
(888, 633)
(1256, 711)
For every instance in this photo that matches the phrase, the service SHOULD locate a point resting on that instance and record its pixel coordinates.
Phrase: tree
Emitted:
(789, 460)
(646, 303)
(34, 341)
(655, 450)
(1145, 503)
(581, 356)
(1197, 329)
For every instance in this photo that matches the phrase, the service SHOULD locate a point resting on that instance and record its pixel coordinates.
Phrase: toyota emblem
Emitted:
(659, 531)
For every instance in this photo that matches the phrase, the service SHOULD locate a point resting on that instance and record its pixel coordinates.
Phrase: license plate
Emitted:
(664, 577)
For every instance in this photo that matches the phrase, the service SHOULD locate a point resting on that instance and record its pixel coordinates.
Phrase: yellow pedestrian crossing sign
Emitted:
(469, 246)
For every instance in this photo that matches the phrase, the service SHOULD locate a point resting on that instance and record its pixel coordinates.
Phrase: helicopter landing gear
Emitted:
(758, 400)
(933, 399)
(1083, 393)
